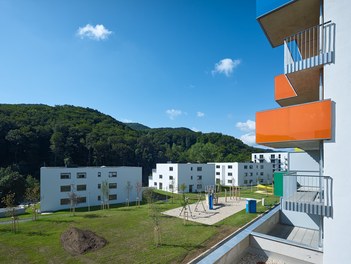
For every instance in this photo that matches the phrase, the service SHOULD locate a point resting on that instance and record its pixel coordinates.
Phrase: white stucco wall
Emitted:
(51, 182)
(195, 179)
(337, 87)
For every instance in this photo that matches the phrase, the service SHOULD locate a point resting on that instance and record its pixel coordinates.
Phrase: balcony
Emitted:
(309, 48)
(298, 126)
(281, 18)
(310, 194)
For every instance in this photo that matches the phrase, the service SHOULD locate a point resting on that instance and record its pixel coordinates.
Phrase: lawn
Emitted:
(128, 230)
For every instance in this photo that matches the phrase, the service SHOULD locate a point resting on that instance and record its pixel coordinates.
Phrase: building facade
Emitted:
(170, 176)
(58, 183)
(243, 174)
(313, 93)
(279, 160)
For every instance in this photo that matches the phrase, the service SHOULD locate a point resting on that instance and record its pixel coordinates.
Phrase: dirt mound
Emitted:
(77, 241)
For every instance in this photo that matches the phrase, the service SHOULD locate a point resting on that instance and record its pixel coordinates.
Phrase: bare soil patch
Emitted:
(77, 241)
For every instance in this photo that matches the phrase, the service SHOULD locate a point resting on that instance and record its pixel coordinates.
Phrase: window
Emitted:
(99, 198)
(160, 176)
(66, 188)
(170, 186)
(261, 173)
(112, 185)
(230, 166)
(261, 180)
(279, 156)
(65, 175)
(251, 173)
(251, 181)
(99, 174)
(230, 181)
(261, 156)
(171, 177)
(273, 161)
(112, 174)
(81, 187)
(255, 156)
(251, 167)
(81, 200)
(230, 174)
(112, 197)
(199, 168)
(218, 166)
(261, 166)
(155, 183)
(245, 167)
(199, 177)
(199, 187)
(272, 156)
(245, 174)
(170, 168)
(64, 201)
(191, 177)
(191, 168)
(218, 173)
(245, 181)
(99, 185)
(81, 175)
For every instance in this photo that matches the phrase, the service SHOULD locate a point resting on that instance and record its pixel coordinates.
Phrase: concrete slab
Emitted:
(220, 211)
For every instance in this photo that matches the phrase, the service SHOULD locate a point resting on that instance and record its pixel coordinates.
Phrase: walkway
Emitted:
(205, 216)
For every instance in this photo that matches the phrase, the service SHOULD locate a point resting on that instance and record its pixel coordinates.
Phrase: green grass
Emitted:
(128, 230)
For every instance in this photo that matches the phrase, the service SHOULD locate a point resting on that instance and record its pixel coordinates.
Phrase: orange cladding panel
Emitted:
(283, 88)
(304, 122)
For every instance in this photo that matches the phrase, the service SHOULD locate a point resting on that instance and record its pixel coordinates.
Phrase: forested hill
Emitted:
(32, 136)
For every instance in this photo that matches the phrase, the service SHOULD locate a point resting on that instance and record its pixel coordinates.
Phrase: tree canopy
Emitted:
(32, 136)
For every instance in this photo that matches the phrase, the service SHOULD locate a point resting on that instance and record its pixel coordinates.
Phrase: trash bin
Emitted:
(210, 202)
(250, 206)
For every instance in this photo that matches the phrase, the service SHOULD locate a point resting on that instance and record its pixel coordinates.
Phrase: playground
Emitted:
(210, 209)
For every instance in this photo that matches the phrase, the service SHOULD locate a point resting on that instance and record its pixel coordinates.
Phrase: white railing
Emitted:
(309, 48)
(308, 193)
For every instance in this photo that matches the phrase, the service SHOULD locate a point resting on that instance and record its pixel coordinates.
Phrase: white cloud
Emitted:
(249, 138)
(247, 126)
(99, 32)
(200, 114)
(226, 66)
(124, 120)
(173, 113)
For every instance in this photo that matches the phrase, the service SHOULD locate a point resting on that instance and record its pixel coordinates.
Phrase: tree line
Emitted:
(32, 136)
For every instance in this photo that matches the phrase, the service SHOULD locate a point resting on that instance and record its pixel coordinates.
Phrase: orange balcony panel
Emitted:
(283, 88)
(287, 126)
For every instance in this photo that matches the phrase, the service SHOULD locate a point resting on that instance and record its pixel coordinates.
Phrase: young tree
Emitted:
(105, 192)
(172, 189)
(129, 187)
(33, 196)
(9, 201)
(138, 187)
(73, 199)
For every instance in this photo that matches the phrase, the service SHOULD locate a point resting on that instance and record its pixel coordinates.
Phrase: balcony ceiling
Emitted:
(306, 86)
(289, 19)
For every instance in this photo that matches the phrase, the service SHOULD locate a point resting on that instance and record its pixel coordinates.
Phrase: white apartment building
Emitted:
(57, 182)
(279, 160)
(243, 174)
(170, 176)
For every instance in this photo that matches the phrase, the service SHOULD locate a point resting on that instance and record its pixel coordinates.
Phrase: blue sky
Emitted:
(203, 64)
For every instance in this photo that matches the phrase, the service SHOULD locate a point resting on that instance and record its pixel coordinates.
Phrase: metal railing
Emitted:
(308, 193)
(309, 48)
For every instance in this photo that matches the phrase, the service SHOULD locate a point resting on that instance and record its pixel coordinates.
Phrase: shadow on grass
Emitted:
(93, 216)
(55, 221)
(185, 246)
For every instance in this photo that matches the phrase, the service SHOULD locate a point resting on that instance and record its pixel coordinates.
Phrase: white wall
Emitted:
(51, 182)
(337, 87)
(241, 173)
(188, 173)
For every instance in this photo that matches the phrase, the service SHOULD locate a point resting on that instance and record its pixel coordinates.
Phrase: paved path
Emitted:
(220, 211)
